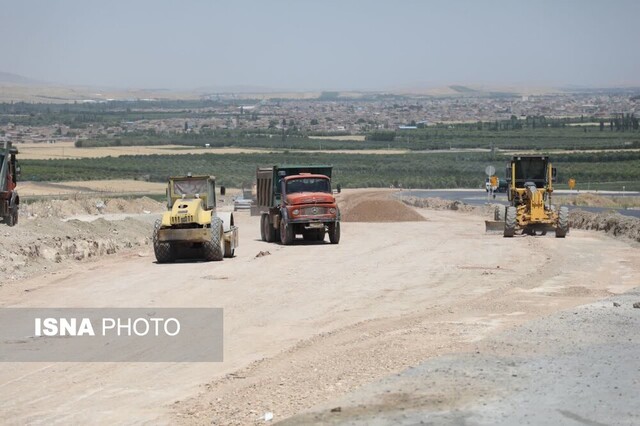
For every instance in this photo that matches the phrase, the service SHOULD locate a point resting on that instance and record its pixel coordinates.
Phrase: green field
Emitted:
(421, 168)
(437, 170)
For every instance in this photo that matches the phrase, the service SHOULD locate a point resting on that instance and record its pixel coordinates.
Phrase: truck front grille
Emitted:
(312, 211)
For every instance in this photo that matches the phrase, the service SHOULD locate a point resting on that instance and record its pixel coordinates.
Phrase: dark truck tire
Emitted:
(269, 231)
(286, 233)
(320, 234)
(510, 222)
(214, 249)
(498, 215)
(334, 232)
(12, 219)
(263, 232)
(563, 222)
(163, 251)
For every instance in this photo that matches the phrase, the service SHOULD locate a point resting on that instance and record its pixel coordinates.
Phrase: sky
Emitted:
(322, 44)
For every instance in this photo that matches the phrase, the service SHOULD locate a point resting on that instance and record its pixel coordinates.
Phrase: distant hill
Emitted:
(9, 78)
(463, 89)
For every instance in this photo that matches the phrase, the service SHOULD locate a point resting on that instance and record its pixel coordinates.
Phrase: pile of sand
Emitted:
(82, 206)
(380, 210)
(612, 223)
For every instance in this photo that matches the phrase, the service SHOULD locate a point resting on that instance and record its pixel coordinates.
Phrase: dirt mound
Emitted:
(82, 206)
(610, 222)
(380, 210)
(440, 204)
(47, 244)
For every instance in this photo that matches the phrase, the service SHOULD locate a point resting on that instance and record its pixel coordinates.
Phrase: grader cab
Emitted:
(192, 227)
(530, 211)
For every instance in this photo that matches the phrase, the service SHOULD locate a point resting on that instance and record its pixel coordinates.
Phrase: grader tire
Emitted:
(334, 232)
(563, 222)
(163, 251)
(510, 222)
(214, 249)
(498, 214)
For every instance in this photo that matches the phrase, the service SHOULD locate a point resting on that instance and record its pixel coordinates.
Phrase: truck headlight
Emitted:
(296, 212)
(332, 210)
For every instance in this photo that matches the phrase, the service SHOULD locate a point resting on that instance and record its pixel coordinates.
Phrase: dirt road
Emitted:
(307, 323)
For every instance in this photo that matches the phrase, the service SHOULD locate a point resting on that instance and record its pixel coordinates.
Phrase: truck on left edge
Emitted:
(9, 172)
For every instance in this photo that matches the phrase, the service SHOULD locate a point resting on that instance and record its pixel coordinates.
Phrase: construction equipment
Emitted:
(530, 180)
(295, 200)
(9, 172)
(192, 226)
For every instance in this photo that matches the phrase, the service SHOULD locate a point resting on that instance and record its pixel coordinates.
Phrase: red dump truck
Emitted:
(297, 200)
(9, 172)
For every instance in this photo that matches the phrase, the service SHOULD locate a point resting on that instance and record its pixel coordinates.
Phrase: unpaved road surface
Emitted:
(307, 323)
(532, 374)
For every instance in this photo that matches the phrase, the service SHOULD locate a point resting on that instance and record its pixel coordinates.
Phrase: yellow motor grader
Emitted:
(530, 211)
(192, 226)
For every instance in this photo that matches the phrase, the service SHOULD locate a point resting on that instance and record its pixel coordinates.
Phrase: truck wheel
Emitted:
(320, 235)
(498, 215)
(510, 222)
(334, 232)
(214, 249)
(563, 222)
(286, 233)
(263, 232)
(269, 232)
(163, 251)
(12, 218)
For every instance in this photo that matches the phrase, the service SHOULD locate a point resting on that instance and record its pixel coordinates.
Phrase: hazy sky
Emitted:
(343, 44)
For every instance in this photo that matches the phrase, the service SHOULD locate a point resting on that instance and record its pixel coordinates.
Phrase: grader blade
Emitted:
(494, 226)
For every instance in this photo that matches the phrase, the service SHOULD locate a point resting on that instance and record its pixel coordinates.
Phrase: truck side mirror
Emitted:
(223, 190)
(554, 174)
(339, 188)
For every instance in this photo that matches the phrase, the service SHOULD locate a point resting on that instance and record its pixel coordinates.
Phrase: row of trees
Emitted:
(450, 170)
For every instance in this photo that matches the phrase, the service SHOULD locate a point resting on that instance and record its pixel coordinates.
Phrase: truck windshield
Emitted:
(308, 185)
(190, 187)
